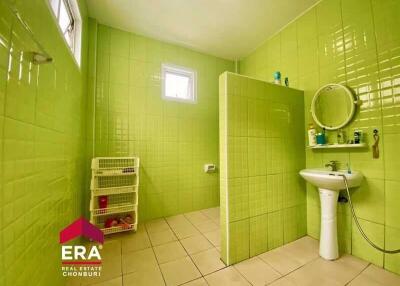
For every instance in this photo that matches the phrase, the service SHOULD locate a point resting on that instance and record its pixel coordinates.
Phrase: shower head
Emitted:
(39, 58)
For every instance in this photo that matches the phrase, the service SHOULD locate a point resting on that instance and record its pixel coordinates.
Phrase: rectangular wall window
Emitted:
(178, 83)
(66, 13)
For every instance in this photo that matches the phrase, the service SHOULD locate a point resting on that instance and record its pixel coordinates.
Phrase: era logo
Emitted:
(78, 252)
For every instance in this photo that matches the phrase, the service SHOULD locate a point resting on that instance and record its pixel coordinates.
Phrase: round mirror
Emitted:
(333, 106)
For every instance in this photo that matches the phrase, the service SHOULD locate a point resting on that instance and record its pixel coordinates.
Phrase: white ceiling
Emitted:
(229, 29)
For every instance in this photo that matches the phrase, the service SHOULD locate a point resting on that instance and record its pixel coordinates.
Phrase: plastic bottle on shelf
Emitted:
(311, 135)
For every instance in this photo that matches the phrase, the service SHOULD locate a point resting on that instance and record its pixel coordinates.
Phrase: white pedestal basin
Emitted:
(329, 184)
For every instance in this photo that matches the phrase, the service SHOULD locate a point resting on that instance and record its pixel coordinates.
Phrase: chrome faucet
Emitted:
(333, 164)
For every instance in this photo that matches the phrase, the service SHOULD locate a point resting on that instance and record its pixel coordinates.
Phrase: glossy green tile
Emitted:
(257, 154)
(344, 224)
(275, 229)
(369, 200)
(385, 20)
(239, 241)
(392, 156)
(392, 200)
(292, 227)
(132, 118)
(238, 198)
(361, 248)
(43, 133)
(392, 261)
(259, 235)
(119, 43)
(258, 167)
(355, 43)
(275, 192)
(258, 196)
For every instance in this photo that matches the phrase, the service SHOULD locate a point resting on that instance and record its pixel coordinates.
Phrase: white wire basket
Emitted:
(117, 203)
(110, 163)
(120, 227)
(116, 181)
(113, 191)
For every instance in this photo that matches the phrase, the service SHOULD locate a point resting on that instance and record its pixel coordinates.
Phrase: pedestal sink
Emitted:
(329, 184)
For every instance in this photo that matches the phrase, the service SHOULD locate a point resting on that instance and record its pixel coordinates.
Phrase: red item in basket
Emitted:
(103, 201)
(110, 222)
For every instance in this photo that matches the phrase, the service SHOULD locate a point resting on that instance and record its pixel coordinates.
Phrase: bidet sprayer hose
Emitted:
(359, 226)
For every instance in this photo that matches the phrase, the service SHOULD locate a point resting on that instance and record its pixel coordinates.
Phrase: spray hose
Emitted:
(359, 226)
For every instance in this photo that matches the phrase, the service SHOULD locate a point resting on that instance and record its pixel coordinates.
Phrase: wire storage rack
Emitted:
(114, 193)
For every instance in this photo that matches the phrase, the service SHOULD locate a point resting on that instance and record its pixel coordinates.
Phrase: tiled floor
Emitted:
(184, 250)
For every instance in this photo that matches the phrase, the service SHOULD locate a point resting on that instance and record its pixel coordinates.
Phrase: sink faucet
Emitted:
(333, 165)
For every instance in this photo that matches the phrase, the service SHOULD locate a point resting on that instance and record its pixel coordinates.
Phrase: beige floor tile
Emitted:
(111, 249)
(111, 269)
(216, 221)
(196, 244)
(144, 278)
(284, 282)
(197, 282)
(196, 217)
(281, 261)
(138, 261)
(162, 237)
(228, 276)
(214, 237)
(157, 225)
(303, 250)
(207, 226)
(177, 220)
(324, 272)
(364, 280)
(113, 282)
(375, 276)
(186, 230)
(137, 241)
(169, 252)
(257, 272)
(212, 213)
(208, 261)
(179, 271)
(73, 282)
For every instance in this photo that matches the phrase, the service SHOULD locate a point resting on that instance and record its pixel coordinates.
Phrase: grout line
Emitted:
(237, 270)
(284, 275)
(359, 274)
(155, 256)
(381, 123)
(202, 234)
(122, 271)
(185, 249)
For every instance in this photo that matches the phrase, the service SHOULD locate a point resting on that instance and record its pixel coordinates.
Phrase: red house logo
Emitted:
(80, 254)
(81, 227)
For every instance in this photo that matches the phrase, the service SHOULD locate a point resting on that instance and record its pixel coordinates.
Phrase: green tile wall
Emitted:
(42, 135)
(263, 199)
(173, 139)
(357, 43)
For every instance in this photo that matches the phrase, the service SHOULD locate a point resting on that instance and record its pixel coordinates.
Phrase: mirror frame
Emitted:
(352, 111)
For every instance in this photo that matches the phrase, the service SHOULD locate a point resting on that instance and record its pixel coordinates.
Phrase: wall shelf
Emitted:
(339, 146)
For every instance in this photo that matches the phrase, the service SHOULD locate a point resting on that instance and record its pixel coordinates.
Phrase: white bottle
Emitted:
(311, 135)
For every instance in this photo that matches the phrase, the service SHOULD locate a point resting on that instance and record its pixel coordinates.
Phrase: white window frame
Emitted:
(182, 71)
(73, 11)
